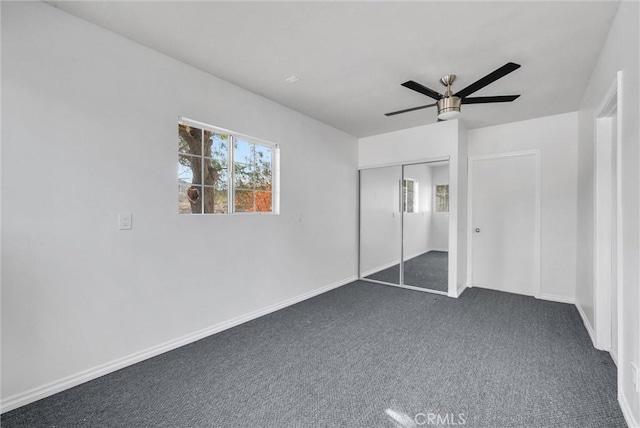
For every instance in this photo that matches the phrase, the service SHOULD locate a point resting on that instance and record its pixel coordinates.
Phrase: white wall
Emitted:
(440, 220)
(91, 131)
(556, 138)
(620, 52)
(430, 142)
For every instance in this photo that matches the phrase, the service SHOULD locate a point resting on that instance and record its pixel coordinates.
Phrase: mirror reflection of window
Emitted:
(442, 198)
(410, 195)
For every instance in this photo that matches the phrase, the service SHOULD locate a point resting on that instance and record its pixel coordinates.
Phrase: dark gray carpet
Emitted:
(428, 270)
(363, 355)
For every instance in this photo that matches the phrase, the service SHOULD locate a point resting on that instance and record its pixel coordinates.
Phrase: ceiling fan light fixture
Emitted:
(449, 103)
(449, 107)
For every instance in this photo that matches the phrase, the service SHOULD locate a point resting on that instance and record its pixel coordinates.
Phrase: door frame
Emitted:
(603, 155)
(536, 153)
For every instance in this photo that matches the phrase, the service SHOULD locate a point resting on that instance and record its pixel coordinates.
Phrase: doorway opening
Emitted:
(608, 240)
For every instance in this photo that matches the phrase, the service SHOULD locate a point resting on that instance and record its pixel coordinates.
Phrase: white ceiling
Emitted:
(352, 56)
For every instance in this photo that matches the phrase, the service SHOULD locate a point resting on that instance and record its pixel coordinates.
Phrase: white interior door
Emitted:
(505, 231)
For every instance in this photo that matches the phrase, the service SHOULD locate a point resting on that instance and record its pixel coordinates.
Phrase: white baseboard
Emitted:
(35, 394)
(443, 250)
(586, 323)
(626, 411)
(614, 357)
(559, 299)
(461, 289)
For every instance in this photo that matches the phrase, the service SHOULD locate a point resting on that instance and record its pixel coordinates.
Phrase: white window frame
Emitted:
(275, 167)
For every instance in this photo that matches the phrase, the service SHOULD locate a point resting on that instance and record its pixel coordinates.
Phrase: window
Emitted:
(442, 198)
(410, 195)
(221, 172)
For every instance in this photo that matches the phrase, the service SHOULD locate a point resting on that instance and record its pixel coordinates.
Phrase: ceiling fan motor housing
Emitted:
(449, 107)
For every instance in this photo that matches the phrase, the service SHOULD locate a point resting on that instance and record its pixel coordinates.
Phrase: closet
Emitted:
(404, 225)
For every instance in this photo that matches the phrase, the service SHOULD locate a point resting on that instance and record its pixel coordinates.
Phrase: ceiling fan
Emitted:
(449, 103)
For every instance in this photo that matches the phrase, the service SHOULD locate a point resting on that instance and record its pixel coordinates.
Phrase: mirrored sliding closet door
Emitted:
(425, 233)
(380, 224)
(404, 225)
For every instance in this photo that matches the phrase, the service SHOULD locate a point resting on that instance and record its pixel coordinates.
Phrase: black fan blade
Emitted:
(422, 89)
(408, 110)
(489, 78)
(497, 99)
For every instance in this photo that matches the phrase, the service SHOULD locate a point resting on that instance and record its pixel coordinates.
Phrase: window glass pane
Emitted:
(212, 172)
(192, 167)
(442, 198)
(409, 199)
(215, 201)
(243, 152)
(189, 199)
(222, 183)
(216, 147)
(222, 202)
(263, 154)
(189, 140)
(243, 200)
(185, 172)
(245, 176)
(263, 201)
(263, 179)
